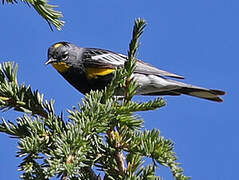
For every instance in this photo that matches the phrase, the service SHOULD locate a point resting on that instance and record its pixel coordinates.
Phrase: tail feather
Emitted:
(209, 94)
(218, 92)
(187, 89)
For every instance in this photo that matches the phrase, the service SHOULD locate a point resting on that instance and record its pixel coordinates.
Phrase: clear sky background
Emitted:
(198, 39)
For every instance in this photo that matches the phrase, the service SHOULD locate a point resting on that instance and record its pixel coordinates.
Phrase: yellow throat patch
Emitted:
(92, 73)
(60, 66)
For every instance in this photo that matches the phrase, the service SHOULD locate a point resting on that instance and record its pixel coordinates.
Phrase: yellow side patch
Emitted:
(57, 45)
(60, 66)
(94, 72)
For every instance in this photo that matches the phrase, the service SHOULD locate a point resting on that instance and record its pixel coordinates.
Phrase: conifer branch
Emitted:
(130, 90)
(145, 106)
(152, 145)
(20, 97)
(45, 10)
(130, 64)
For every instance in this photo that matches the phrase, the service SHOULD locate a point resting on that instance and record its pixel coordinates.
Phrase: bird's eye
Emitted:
(55, 55)
(65, 56)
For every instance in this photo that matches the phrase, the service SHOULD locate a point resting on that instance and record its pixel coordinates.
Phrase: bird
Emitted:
(89, 69)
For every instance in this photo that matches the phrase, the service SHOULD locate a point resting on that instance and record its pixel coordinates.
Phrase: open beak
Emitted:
(50, 61)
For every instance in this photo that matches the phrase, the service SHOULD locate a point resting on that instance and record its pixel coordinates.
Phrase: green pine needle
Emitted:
(45, 10)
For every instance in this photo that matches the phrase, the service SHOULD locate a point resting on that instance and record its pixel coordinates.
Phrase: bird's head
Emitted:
(62, 55)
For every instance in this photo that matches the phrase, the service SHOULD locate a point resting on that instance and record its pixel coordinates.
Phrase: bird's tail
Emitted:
(209, 94)
(191, 90)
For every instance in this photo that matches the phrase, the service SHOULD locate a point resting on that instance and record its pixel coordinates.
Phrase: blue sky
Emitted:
(197, 39)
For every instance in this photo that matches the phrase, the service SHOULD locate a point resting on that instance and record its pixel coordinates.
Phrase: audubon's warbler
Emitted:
(92, 68)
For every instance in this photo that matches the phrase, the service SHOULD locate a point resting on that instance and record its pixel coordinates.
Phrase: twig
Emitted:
(119, 156)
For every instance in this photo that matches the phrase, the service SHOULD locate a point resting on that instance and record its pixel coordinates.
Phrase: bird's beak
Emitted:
(50, 61)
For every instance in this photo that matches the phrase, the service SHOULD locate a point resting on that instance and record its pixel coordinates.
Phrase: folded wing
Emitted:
(107, 59)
